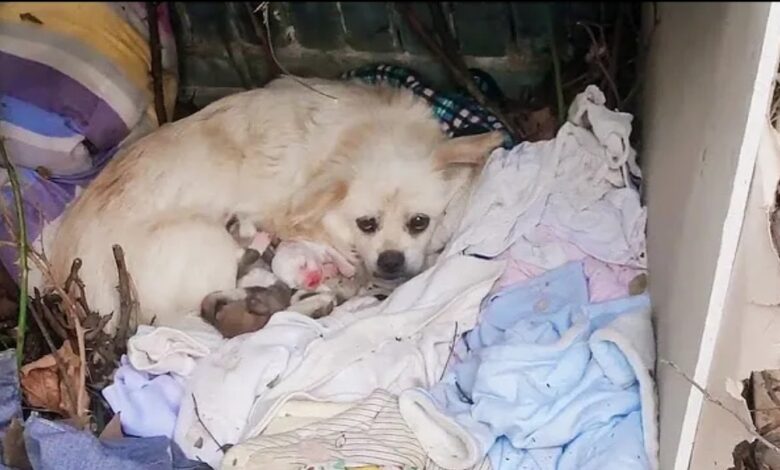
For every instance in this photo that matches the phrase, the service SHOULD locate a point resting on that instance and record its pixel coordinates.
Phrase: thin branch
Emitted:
(43, 266)
(125, 299)
(442, 29)
(72, 309)
(452, 350)
(265, 6)
(21, 240)
(73, 275)
(49, 316)
(456, 67)
(614, 56)
(262, 34)
(556, 66)
(604, 71)
(222, 448)
(749, 427)
(157, 73)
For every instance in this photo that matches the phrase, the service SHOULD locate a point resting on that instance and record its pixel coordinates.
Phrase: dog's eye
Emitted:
(367, 224)
(418, 223)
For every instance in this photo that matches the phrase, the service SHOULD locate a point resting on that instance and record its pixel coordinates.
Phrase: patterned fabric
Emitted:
(371, 435)
(74, 84)
(458, 113)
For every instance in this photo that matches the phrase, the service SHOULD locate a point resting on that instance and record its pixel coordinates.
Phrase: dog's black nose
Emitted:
(391, 261)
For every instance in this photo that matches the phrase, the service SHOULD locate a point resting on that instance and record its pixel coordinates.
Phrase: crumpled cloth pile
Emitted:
(527, 345)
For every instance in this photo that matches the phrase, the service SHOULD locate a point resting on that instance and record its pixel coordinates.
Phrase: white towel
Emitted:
(163, 350)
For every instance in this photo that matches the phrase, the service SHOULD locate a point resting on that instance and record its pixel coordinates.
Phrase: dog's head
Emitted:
(396, 195)
(389, 175)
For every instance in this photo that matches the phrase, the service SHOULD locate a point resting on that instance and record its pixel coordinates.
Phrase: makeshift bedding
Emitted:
(527, 345)
(75, 84)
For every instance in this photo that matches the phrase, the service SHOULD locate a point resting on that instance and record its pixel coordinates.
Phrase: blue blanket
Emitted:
(535, 386)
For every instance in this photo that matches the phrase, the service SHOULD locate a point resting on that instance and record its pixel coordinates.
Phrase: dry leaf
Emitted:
(40, 384)
(43, 387)
(14, 450)
(113, 429)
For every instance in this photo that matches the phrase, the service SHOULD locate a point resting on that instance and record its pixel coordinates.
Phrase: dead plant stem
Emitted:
(749, 427)
(156, 58)
(556, 61)
(21, 240)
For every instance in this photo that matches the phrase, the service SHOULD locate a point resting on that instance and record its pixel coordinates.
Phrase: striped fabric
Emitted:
(372, 433)
(74, 85)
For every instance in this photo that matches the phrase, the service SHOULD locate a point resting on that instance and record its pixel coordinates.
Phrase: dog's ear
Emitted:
(472, 150)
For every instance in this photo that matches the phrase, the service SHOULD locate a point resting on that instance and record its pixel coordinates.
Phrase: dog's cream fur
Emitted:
(297, 162)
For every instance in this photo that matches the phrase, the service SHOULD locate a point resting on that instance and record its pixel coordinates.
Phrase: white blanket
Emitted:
(401, 343)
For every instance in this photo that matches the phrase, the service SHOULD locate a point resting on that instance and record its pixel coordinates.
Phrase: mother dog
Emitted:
(363, 168)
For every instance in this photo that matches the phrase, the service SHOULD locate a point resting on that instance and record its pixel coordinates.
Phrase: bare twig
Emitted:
(452, 350)
(125, 299)
(442, 29)
(455, 66)
(600, 64)
(157, 73)
(82, 394)
(262, 34)
(222, 448)
(50, 318)
(265, 6)
(614, 57)
(576, 80)
(72, 309)
(556, 66)
(749, 427)
(73, 277)
(74, 271)
(21, 241)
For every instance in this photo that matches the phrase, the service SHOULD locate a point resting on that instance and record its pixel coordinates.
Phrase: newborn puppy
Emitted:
(297, 275)
(238, 311)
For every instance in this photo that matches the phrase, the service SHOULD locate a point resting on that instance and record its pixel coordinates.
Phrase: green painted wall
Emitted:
(220, 52)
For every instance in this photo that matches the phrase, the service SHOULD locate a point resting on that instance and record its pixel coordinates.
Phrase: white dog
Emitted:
(365, 169)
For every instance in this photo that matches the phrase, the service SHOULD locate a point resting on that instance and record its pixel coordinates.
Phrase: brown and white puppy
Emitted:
(260, 293)
(365, 169)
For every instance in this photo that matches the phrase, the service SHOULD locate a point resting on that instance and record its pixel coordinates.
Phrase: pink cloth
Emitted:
(542, 250)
